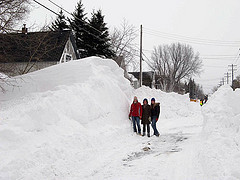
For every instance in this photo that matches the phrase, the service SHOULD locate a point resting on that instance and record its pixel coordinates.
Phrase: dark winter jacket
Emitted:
(146, 113)
(136, 110)
(155, 110)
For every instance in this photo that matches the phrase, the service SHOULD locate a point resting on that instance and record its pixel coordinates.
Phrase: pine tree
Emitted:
(60, 23)
(191, 85)
(78, 25)
(98, 41)
(186, 87)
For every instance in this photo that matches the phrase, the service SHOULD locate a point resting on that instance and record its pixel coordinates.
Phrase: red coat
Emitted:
(136, 110)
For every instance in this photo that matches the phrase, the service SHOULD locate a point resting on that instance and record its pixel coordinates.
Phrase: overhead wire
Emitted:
(98, 37)
(74, 16)
(163, 35)
(191, 41)
(191, 38)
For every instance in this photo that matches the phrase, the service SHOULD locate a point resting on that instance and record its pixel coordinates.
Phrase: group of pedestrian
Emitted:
(147, 114)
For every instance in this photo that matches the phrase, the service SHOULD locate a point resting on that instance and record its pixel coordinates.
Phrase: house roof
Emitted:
(34, 46)
(147, 77)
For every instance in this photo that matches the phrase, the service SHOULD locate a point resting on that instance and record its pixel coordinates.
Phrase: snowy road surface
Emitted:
(70, 121)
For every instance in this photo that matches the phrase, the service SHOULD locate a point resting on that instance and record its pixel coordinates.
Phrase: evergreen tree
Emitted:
(186, 87)
(60, 23)
(191, 86)
(195, 90)
(78, 25)
(97, 40)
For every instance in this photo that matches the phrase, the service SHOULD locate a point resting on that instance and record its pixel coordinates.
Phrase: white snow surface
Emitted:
(70, 121)
(3, 76)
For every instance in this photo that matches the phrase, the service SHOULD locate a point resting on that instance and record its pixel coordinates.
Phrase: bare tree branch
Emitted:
(123, 43)
(11, 13)
(173, 63)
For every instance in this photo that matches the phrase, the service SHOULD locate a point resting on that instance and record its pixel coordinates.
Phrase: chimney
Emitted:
(24, 29)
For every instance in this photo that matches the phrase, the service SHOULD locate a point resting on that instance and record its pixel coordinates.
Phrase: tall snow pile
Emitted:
(70, 121)
(220, 151)
(55, 113)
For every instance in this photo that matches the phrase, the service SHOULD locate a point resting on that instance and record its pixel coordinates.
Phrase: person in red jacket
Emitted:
(136, 114)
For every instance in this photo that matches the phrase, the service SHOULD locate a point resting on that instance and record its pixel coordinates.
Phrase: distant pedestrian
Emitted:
(155, 111)
(146, 117)
(201, 102)
(205, 99)
(136, 114)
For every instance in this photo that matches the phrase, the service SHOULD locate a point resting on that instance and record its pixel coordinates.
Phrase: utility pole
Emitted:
(227, 75)
(140, 75)
(223, 80)
(233, 70)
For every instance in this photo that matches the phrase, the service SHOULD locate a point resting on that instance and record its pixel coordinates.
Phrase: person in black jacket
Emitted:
(146, 115)
(155, 111)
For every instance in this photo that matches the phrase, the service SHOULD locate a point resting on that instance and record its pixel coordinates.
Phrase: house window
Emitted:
(68, 57)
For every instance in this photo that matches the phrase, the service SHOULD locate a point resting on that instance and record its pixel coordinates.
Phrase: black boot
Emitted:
(148, 134)
(143, 134)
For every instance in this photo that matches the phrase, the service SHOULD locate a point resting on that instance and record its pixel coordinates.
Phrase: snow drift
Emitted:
(57, 112)
(220, 149)
(70, 121)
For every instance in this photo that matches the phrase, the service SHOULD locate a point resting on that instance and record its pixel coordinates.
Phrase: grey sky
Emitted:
(199, 19)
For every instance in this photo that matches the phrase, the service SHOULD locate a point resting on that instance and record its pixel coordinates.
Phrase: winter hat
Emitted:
(135, 98)
(145, 100)
(153, 99)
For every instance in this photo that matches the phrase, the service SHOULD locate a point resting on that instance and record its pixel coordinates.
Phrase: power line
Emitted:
(215, 66)
(98, 37)
(191, 38)
(66, 19)
(148, 61)
(46, 7)
(192, 42)
(227, 58)
(74, 16)
(219, 55)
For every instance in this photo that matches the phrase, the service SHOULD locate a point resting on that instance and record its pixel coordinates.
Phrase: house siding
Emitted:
(68, 50)
(17, 68)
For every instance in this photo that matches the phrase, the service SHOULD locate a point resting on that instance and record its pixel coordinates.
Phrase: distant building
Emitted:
(148, 78)
(25, 52)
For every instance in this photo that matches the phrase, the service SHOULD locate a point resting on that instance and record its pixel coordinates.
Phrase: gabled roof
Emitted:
(147, 77)
(34, 46)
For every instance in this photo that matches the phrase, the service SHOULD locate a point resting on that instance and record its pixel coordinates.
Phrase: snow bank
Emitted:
(220, 151)
(173, 107)
(57, 112)
(3, 76)
(70, 121)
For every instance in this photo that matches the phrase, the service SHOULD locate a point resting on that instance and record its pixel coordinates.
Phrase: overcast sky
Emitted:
(196, 22)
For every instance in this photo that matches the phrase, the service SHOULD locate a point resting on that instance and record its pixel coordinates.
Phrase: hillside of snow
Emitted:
(52, 121)
(220, 149)
(70, 121)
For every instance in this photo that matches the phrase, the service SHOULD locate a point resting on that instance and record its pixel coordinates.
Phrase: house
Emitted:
(148, 78)
(25, 52)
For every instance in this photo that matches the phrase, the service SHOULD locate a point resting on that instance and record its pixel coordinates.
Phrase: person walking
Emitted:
(146, 117)
(155, 111)
(136, 114)
(205, 99)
